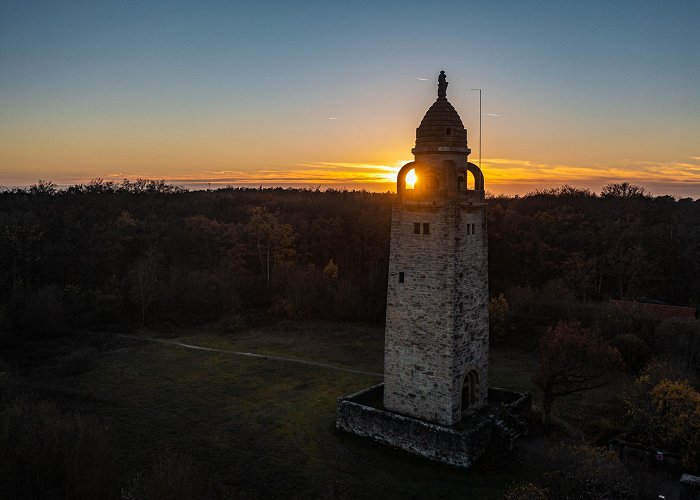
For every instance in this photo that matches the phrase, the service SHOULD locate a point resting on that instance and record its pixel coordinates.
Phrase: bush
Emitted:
(230, 324)
(603, 428)
(665, 414)
(678, 341)
(677, 408)
(499, 314)
(633, 350)
(586, 473)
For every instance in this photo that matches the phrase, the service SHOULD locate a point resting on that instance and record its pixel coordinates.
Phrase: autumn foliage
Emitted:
(665, 414)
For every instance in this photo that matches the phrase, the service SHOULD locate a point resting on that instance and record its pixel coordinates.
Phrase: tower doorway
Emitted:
(470, 392)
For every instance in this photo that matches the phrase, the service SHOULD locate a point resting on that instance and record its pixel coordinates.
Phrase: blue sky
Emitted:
(584, 91)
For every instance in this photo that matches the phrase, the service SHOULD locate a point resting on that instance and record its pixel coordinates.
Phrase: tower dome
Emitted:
(441, 130)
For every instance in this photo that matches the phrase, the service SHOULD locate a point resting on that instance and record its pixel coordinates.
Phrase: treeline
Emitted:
(621, 244)
(114, 255)
(147, 253)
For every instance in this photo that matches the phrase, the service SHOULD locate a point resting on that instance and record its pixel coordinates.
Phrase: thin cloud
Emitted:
(509, 171)
(514, 176)
(422, 79)
(492, 114)
(333, 118)
(329, 174)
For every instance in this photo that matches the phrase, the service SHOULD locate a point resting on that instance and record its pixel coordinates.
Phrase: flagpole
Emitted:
(479, 126)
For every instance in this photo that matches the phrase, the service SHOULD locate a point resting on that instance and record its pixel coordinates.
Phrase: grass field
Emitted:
(259, 427)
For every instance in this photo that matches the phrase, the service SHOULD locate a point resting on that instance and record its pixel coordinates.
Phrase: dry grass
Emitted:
(263, 428)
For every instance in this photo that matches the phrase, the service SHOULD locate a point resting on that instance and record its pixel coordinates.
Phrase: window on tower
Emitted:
(423, 228)
(401, 277)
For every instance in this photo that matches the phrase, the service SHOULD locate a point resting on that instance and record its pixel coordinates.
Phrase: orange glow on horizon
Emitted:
(503, 176)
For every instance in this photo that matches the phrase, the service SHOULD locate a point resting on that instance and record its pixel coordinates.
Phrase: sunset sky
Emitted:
(330, 93)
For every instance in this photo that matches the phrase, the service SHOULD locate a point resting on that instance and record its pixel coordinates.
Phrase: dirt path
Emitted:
(255, 355)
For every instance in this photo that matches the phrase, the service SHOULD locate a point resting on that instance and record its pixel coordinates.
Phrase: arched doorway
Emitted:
(470, 391)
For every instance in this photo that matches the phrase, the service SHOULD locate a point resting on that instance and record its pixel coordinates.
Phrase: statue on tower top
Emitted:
(442, 84)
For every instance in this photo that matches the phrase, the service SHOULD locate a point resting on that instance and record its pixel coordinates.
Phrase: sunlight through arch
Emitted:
(411, 179)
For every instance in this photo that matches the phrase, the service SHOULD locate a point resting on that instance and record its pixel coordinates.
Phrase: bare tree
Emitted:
(273, 241)
(146, 278)
(572, 359)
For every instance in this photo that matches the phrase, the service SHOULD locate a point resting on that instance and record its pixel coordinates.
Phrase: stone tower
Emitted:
(436, 346)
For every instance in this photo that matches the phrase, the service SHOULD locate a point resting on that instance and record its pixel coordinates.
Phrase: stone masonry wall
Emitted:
(437, 319)
(416, 436)
(471, 329)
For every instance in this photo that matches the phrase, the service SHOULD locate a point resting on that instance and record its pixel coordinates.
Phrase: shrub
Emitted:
(677, 411)
(665, 414)
(633, 350)
(499, 313)
(586, 473)
(679, 343)
(229, 324)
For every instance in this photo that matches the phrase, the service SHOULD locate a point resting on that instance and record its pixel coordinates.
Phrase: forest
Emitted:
(108, 255)
(281, 271)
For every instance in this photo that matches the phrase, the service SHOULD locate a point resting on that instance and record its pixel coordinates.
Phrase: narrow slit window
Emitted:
(473, 232)
(416, 228)
(426, 228)
(448, 131)
(401, 277)
(469, 229)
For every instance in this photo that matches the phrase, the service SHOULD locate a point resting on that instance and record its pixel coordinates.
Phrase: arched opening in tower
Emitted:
(470, 391)
(466, 181)
(411, 179)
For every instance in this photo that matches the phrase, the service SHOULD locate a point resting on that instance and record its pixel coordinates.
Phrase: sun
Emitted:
(411, 179)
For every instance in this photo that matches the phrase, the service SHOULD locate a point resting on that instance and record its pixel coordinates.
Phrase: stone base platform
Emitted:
(498, 424)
